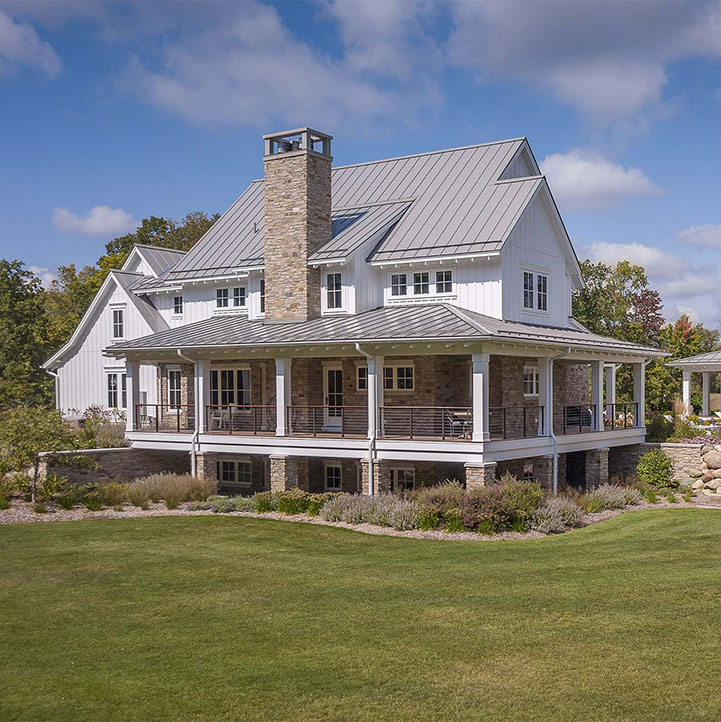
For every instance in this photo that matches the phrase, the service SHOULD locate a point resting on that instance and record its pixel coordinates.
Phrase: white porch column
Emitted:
(706, 376)
(686, 389)
(611, 384)
(202, 390)
(480, 397)
(545, 397)
(639, 392)
(132, 391)
(375, 395)
(282, 394)
(597, 394)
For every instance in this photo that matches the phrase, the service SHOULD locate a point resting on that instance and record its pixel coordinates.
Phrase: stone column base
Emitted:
(480, 475)
(543, 471)
(288, 472)
(596, 467)
(381, 477)
(206, 466)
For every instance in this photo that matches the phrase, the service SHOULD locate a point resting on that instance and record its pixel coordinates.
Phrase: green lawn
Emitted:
(219, 618)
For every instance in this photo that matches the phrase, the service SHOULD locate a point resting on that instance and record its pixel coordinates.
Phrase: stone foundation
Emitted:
(119, 465)
(623, 460)
(596, 467)
(543, 471)
(480, 475)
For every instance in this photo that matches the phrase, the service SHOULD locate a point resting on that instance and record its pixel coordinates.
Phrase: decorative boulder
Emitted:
(706, 449)
(715, 484)
(686, 482)
(713, 460)
(698, 484)
(694, 472)
(707, 492)
(716, 474)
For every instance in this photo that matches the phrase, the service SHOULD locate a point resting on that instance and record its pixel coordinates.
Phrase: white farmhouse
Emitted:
(367, 327)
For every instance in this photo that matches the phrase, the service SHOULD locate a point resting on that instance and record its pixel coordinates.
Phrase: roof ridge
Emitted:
(158, 248)
(462, 313)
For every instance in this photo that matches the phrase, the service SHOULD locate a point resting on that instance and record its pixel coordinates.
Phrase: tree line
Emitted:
(35, 322)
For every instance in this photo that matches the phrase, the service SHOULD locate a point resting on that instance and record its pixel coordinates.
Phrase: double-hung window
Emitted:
(117, 391)
(221, 298)
(118, 323)
(262, 295)
(178, 305)
(527, 289)
(542, 292)
(399, 284)
(175, 393)
(239, 296)
(530, 381)
(230, 387)
(333, 477)
(398, 378)
(234, 473)
(403, 479)
(444, 281)
(420, 283)
(535, 291)
(334, 290)
(362, 378)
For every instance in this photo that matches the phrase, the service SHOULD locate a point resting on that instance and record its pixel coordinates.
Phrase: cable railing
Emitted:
(327, 420)
(515, 422)
(574, 419)
(620, 416)
(240, 419)
(179, 418)
(426, 422)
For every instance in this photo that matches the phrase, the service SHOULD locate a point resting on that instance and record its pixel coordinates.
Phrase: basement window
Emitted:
(403, 479)
(234, 473)
(333, 477)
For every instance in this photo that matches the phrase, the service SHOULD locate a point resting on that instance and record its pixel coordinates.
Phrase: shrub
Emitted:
(382, 510)
(219, 504)
(556, 516)
(453, 523)
(670, 496)
(113, 494)
(348, 508)
(650, 495)
(428, 518)
(65, 501)
(92, 502)
(318, 501)
(174, 488)
(4, 501)
(139, 495)
(292, 502)
(658, 428)
(603, 497)
(522, 497)
(687, 497)
(173, 497)
(40, 509)
(655, 469)
(75, 494)
(51, 485)
(633, 497)
(265, 501)
(441, 497)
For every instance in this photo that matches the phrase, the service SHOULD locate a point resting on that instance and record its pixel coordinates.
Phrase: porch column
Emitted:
(480, 397)
(686, 389)
(597, 394)
(545, 395)
(611, 384)
(202, 390)
(706, 376)
(639, 392)
(282, 394)
(375, 395)
(132, 390)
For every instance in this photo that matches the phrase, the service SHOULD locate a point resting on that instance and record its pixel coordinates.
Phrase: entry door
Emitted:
(333, 392)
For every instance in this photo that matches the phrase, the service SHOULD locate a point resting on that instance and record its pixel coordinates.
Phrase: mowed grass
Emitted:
(220, 618)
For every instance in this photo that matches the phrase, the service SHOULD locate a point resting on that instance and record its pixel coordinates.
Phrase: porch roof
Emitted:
(427, 322)
(702, 362)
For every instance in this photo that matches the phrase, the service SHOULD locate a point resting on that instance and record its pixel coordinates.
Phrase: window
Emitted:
(118, 323)
(239, 296)
(178, 305)
(420, 283)
(530, 381)
(398, 378)
(221, 298)
(527, 471)
(174, 389)
(444, 281)
(333, 477)
(230, 387)
(123, 391)
(399, 285)
(335, 292)
(234, 473)
(527, 290)
(262, 296)
(542, 288)
(403, 479)
(362, 378)
(117, 391)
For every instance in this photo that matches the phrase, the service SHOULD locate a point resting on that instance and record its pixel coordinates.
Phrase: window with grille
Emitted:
(334, 290)
(444, 281)
(118, 323)
(399, 285)
(178, 305)
(239, 296)
(420, 284)
(262, 296)
(403, 479)
(221, 298)
(527, 289)
(530, 381)
(362, 378)
(542, 292)
(174, 388)
(398, 378)
(112, 391)
(230, 387)
(234, 473)
(333, 477)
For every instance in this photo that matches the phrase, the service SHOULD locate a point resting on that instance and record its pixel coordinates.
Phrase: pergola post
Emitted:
(706, 392)
(686, 389)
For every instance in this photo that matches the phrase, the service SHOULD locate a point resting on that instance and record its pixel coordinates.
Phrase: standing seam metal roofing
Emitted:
(710, 358)
(459, 207)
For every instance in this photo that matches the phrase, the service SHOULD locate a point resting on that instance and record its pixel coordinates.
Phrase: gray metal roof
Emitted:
(397, 323)
(712, 358)
(160, 259)
(145, 307)
(459, 207)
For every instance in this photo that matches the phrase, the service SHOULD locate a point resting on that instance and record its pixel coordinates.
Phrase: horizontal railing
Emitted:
(327, 420)
(240, 419)
(515, 422)
(428, 422)
(165, 417)
(574, 419)
(621, 416)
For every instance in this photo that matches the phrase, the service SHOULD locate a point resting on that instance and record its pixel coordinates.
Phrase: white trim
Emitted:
(435, 259)
(332, 465)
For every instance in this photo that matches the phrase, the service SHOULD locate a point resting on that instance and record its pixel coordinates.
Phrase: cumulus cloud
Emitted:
(684, 288)
(608, 60)
(99, 221)
(20, 46)
(45, 275)
(581, 180)
(708, 235)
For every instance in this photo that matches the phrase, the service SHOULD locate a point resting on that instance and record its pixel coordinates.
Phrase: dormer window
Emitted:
(420, 283)
(221, 298)
(444, 281)
(118, 323)
(262, 295)
(239, 296)
(399, 284)
(542, 290)
(535, 291)
(334, 289)
(178, 305)
(527, 290)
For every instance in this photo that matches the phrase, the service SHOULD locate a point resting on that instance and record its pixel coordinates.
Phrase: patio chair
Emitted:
(219, 419)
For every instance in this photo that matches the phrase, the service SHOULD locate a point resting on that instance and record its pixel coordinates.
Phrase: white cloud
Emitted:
(581, 180)
(45, 275)
(20, 46)
(248, 68)
(99, 221)
(684, 288)
(708, 235)
(608, 60)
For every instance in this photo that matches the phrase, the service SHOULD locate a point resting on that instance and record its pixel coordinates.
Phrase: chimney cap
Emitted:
(298, 131)
(300, 140)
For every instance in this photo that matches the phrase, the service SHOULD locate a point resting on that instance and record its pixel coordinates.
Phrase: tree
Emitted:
(27, 431)
(23, 337)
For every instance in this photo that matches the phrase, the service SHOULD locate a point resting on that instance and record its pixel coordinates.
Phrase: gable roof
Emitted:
(159, 259)
(455, 205)
(427, 322)
(712, 358)
(115, 279)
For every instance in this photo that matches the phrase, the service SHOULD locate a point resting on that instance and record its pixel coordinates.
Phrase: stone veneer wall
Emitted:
(297, 218)
(207, 468)
(120, 465)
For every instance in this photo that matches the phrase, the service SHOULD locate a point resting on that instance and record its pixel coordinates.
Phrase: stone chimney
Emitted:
(296, 221)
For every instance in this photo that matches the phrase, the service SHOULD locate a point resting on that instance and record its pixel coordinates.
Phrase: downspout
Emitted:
(549, 403)
(372, 453)
(198, 407)
(56, 376)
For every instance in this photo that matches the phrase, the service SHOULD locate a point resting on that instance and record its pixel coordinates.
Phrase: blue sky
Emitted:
(115, 111)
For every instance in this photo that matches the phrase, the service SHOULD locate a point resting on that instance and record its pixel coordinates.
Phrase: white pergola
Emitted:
(705, 364)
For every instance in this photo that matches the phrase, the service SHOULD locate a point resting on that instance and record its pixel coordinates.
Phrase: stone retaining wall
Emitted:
(121, 465)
